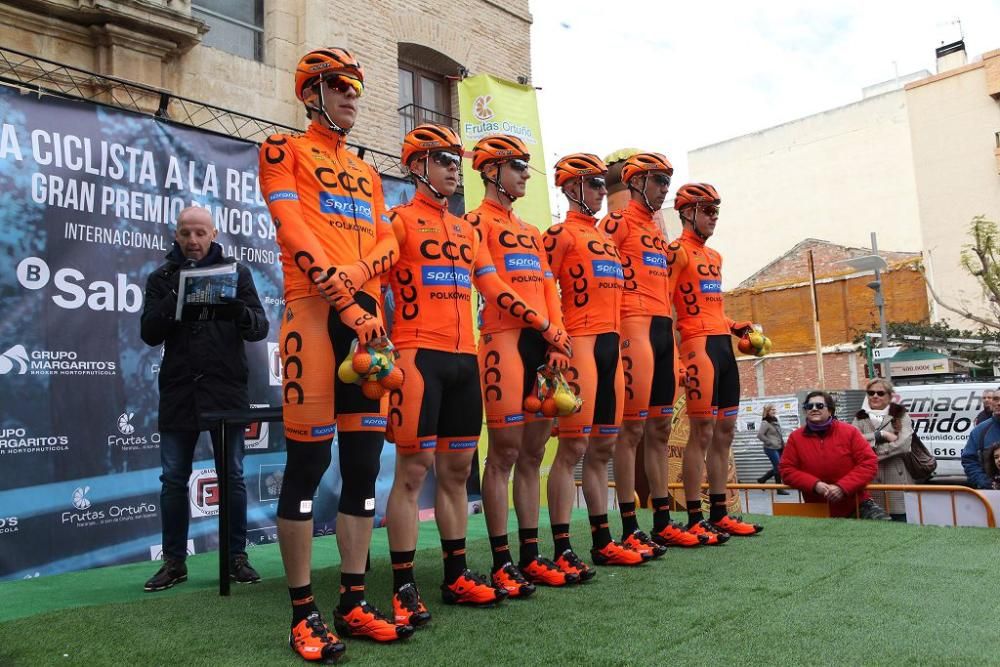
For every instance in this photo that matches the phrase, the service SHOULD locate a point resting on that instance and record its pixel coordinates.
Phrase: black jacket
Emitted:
(204, 363)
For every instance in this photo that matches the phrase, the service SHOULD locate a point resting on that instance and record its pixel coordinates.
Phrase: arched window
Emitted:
(426, 82)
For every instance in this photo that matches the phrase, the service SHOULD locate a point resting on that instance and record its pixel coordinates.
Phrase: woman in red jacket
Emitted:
(828, 460)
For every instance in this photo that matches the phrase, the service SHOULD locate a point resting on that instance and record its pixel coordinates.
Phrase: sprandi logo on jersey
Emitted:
(607, 269)
(522, 262)
(446, 275)
(654, 259)
(711, 287)
(345, 206)
(19, 360)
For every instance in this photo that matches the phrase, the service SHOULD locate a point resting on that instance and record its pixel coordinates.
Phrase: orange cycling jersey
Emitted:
(516, 249)
(698, 296)
(327, 208)
(440, 258)
(649, 277)
(586, 264)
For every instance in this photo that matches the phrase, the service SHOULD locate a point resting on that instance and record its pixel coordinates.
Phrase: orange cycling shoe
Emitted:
(313, 641)
(365, 621)
(735, 525)
(545, 572)
(713, 536)
(510, 579)
(613, 553)
(408, 608)
(640, 541)
(674, 535)
(471, 589)
(571, 564)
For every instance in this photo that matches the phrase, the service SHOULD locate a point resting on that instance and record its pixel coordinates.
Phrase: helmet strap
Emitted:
(579, 202)
(642, 192)
(423, 177)
(694, 221)
(321, 109)
(501, 190)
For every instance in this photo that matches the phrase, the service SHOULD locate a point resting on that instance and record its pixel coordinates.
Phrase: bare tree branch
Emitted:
(958, 311)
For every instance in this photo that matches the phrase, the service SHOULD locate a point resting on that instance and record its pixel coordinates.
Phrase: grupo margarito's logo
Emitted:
(8, 524)
(80, 499)
(16, 439)
(481, 107)
(16, 355)
(18, 360)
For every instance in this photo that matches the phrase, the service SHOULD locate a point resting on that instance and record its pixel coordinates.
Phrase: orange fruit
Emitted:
(372, 390)
(532, 404)
(549, 407)
(394, 380)
(745, 346)
(362, 363)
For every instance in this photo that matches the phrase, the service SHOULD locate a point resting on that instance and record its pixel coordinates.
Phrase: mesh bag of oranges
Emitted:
(373, 367)
(755, 342)
(552, 396)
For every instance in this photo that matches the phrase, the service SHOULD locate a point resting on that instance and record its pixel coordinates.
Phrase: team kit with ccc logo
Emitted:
(589, 306)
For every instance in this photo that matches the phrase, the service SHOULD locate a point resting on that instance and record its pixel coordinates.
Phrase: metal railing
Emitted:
(411, 115)
(47, 77)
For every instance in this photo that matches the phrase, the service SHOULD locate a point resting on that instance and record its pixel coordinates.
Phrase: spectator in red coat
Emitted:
(828, 460)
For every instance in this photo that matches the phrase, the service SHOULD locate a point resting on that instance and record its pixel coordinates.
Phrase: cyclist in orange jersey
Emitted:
(586, 264)
(509, 356)
(437, 414)
(327, 208)
(648, 353)
(713, 380)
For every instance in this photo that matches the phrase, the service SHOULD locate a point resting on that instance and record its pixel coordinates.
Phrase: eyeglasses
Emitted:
(661, 179)
(597, 182)
(875, 392)
(518, 165)
(710, 210)
(344, 83)
(446, 159)
(815, 406)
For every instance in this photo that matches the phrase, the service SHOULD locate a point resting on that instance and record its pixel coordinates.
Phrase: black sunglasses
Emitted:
(815, 406)
(875, 392)
(518, 165)
(597, 182)
(661, 179)
(446, 159)
(711, 210)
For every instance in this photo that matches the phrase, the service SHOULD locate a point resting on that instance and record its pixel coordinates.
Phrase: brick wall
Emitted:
(482, 35)
(787, 374)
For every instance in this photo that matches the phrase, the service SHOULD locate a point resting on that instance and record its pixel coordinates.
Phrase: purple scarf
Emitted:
(819, 428)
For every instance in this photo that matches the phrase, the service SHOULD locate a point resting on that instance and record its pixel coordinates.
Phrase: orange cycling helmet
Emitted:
(498, 147)
(577, 165)
(320, 62)
(429, 137)
(645, 162)
(692, 194)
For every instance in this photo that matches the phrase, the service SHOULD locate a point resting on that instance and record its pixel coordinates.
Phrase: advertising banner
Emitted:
(90, 200)
(490, 105)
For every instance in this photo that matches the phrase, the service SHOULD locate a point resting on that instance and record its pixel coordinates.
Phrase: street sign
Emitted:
(885, 353)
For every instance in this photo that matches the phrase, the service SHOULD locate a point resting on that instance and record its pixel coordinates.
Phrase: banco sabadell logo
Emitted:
(15, 355)
(80, 499)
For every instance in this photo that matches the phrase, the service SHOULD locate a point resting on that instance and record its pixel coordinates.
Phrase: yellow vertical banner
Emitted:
(490, 105)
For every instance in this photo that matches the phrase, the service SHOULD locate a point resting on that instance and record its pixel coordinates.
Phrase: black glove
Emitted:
(233, 309)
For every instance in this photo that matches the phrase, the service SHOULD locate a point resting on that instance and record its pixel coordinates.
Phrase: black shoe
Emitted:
(782, 492)
(170, 573)
(872, 511)
(241, 571)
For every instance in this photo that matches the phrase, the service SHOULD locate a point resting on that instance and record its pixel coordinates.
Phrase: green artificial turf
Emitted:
(806, 591)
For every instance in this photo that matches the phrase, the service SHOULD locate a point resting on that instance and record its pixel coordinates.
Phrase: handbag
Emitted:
(919, 462)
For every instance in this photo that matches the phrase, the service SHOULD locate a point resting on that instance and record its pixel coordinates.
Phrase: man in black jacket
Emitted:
(204, 368)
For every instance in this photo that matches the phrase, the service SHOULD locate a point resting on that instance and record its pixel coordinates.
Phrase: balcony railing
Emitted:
(411, 115)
